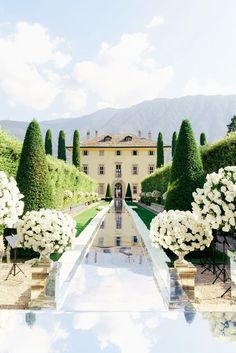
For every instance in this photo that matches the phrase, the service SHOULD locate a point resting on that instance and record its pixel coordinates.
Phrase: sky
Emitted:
(68, 58)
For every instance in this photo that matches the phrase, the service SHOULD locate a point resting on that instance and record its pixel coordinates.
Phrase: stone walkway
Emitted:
(15, 292)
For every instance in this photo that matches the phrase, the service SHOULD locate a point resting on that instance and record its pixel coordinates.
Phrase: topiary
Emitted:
(108, 196)
(203, 140)
(61, 146)
(173, 145)
(187, 172)
(160, 151)
(76, 150)
(32, 175)
(128, 195)
(48, 142)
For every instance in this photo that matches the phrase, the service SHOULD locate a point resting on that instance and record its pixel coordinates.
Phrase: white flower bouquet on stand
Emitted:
(181, 232)
(11, 204)
(216, 202)
(223, 324)
(46, 231)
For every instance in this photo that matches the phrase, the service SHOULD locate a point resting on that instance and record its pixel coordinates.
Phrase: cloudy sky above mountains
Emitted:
(63, 58)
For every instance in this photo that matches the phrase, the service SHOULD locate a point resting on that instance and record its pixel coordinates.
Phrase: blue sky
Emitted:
(68, 58)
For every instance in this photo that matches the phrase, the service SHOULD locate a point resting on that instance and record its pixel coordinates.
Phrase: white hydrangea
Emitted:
(179, 231)
(68, 194)
(216, 202)
(222, 324)
(46, 231)
(11, 204)
(156, 194)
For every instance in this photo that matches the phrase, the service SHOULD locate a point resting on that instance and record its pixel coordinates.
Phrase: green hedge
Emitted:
(10, 150)
(215, 156)
(219, 154)
(66, 177)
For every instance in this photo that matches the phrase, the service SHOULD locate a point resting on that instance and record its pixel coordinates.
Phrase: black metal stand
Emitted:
(15, 269)
(210, 264)
(222, 271)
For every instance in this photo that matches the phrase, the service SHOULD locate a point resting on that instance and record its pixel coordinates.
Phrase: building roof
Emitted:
(118, 141)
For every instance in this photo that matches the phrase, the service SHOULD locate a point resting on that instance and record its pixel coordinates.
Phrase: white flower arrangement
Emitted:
(222, 324)
(11, 204)
(80, 194)
(46, 231)
(68, 194)
(216, 202)
(179, 231)
(148, 194)
(87, 194)
(156, 194)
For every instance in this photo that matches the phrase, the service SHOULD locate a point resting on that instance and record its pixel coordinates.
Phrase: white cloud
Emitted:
(207, 87)
(23, 55)
(124, 74)
(75, 99)
(156, 22)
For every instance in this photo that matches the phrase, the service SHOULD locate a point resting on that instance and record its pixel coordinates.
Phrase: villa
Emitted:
(118, 160)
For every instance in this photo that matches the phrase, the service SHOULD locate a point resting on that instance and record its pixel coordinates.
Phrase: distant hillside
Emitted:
(207, 113)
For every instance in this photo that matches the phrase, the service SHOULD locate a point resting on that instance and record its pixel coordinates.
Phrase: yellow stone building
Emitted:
(118, 160)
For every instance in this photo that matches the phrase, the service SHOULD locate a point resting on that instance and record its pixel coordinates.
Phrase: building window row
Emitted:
(118, 173)
(118, 241)
(118, 153)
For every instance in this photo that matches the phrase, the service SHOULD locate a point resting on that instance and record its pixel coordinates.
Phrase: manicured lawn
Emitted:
(145, 215)
(84, 218)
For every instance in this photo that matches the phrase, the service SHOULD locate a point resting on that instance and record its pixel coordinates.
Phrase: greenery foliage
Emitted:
(108, 196)
(10, 150)
(128, 195)
(203, 140)
(76, 150)
(160, 151)
(32, 175)
(145, 215)
(187, 172)
(173, 144)
(61, 146)
(48, 142)
(232, 126)
(158, 180)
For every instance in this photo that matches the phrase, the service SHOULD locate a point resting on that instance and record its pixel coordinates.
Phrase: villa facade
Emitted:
(118, 160)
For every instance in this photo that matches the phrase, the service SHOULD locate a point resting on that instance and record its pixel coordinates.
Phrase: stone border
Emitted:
(157, 255)
(70, 260)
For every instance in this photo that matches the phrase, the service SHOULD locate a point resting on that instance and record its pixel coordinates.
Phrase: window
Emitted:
(102, 226)
(118, 153)
(85, 153)
(151, 153)
(118, 171)
(128, 138)
(85, 168)
(151, 169)
(107, 138)
(101, 189)
(135, 152)
(101, 153)
(135, 189)
(100, 241)
(135, 169)
(101, 169)
(118, 221)
(118, 241)
(134, 240)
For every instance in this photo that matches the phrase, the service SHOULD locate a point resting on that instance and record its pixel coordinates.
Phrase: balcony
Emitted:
(118, 174)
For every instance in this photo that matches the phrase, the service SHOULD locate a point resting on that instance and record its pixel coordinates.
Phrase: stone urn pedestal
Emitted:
(40, 273)
(187, 273)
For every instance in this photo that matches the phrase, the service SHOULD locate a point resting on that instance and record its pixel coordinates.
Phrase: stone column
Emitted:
(187, 273)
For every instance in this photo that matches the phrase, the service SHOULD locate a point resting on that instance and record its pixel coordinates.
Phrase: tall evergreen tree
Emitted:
(232, 126)
(160, 151)
(187, 172)
(62, 146)
(32, 175)
(76, 150)
(203, 140)
(173, 145)
(48, 142)
(128, 195)
(108, 195)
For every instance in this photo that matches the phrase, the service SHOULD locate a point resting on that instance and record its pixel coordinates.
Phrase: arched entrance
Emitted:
(118, 191)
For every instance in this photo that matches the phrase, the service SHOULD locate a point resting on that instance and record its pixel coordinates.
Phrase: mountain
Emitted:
(210, 114)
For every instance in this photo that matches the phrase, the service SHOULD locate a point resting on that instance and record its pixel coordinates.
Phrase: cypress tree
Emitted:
(62, 146)
(33, 175)
(160, 151)
(76, 150)
(128, 195)
(187, 172)
(232, 126)
(48, 142)
(108, 196)
(203, 140)
(173, 145)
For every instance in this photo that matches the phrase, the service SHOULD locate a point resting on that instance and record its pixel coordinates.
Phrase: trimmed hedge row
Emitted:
(10, 150)
(215, 156)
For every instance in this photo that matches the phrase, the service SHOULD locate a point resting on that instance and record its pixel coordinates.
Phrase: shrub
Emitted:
(220, 154)
(187, 172)
(108, 196)
(10, 150)
(173, 144)
(61, 146)
(76, 150)
(203, 140)
(32, 175)
(160, 151)
(128, 195)
(48, 142)
(158, 180)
